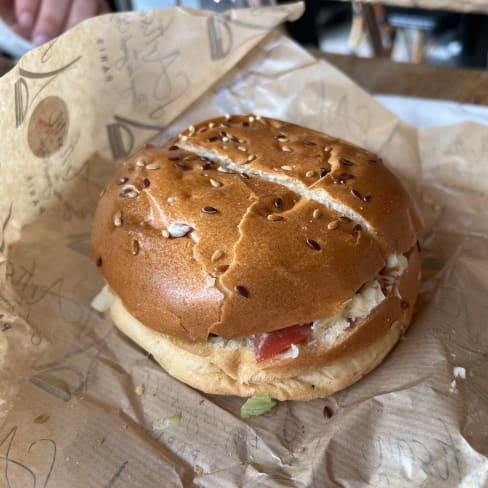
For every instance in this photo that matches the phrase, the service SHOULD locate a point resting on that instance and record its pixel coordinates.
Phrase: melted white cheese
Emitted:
(328, 330)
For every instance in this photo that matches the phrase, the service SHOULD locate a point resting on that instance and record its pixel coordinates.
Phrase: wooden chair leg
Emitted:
(373, 30)
(418, 46)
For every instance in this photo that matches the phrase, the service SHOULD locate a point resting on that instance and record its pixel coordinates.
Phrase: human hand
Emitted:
(41, 20)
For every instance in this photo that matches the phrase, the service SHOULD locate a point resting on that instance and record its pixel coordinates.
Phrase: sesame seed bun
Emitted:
(244, 225)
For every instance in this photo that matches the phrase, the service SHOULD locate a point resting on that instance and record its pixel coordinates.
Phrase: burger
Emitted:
(249, 255)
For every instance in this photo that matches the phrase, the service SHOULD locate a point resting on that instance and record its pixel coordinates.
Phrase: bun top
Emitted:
(245, 224)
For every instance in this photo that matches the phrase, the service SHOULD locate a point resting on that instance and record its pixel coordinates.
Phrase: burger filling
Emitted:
(282, 343)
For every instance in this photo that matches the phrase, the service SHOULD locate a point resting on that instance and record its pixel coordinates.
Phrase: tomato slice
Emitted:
(269, 344)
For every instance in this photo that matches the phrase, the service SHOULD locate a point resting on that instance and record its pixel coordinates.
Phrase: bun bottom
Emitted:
(206, 372)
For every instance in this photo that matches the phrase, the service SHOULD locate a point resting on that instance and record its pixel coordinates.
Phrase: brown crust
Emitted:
(178, 287)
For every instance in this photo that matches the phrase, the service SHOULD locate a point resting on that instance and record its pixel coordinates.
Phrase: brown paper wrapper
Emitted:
(72, 408)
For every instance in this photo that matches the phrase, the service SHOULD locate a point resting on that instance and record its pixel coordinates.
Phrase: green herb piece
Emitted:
(257, 405)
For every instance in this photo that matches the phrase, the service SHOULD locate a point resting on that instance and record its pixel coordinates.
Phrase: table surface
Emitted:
(378, 75)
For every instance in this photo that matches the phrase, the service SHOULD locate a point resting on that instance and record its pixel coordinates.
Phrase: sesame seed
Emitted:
(206, 165)
(211, 125)
(356, 194)
(173, 148)
(202, 130)
(99, 261)
(324, 172)
(251, 118)
(118, 219)
(145, 182)
(251, 158)
(342, 178)
(405, 305)
(316, 213)
(344, 219)
(286, 149)
(223, 169)
(215, 183)
(171, 200)
(328, 412)
(309, 143)
(310, 174)
(241, 291)
(313, 244)
(153, 166)
(209, 210)
(191, 130)
(346, 162)
(225, 139)
(141, 162)
(333, 225)
(183, 137)
(258, 117)
(242, 148)
(165, 233)
(278, 202)
(122, 180)
(227, 117)
(182, 167)
(281, 138)
(245, 176)
(130, 191)
(135, 247)
(179, 229)
(287, 168)
(274, 217)
(367, 198)
(217, 255)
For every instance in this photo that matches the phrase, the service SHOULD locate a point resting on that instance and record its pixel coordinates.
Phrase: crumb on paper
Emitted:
(41, 419)
(459, 372)
(140, 389)
(198, 470)
(452, 387)
(100, 440)
(166, 422)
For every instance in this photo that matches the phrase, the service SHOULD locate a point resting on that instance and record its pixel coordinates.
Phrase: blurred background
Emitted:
(454, 36)
(417, 31)
(450, 33)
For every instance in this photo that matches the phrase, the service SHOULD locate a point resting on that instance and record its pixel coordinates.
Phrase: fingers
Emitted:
(7, 11)
(26, 13)
(81, 10)
(103, 7)
(51, 20)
